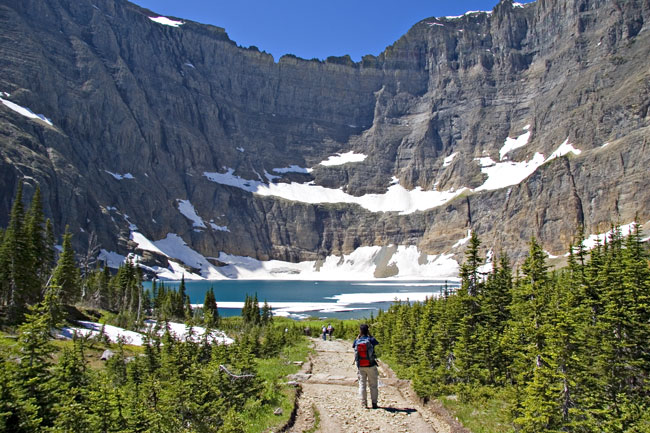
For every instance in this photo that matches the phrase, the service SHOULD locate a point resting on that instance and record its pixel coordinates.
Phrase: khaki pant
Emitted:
(368, 375)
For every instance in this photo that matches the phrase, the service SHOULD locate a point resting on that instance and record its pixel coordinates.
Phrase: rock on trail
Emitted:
(330, 393)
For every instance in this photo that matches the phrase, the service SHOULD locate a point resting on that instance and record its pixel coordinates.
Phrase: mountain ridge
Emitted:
(167, 104)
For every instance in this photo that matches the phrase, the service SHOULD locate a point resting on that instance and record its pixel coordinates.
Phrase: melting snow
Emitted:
(448, 160)
(592, 240)
(111, 258)
(344, 158)
(515, 143)
(219, 228)
(178, 331)
(292, 169)
(188, 211)
(166, 21)
(564, 149)
(507, 173)
(396, 199)
(120, 176)
(24, 111)
(464, 240)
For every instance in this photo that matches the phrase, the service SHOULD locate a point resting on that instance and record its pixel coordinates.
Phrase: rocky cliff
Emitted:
(525, 121)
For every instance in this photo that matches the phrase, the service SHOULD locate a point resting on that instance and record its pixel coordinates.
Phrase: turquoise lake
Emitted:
(300, 299)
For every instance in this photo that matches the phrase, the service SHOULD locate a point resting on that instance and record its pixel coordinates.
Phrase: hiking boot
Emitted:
(374, 406)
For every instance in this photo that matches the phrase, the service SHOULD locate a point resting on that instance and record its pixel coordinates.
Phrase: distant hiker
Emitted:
(364, 357)
(324, 332)
(330, 330)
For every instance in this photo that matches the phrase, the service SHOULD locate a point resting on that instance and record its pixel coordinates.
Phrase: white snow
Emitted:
(507, 173)
(564, 149)
(590, 242)
(435, 24)
(145, 244)
(24, 111)
(120, 176)
(448, 160)
(395, 199)
(173, 246)
(166, 21)
(188, 211)
(344, 158)
(241, 149)
(111, 258)
(190, 65)
(464, 240)
(219, 228)
(514, 143)
(179, 331)
(292, 169)
(356, 266)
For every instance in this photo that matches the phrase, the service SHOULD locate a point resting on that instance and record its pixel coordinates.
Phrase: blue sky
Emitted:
(308, 28)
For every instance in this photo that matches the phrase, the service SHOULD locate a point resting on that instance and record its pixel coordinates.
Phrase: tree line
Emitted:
(569, 350)
(168, 386)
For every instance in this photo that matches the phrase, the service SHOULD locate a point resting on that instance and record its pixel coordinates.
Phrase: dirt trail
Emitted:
(329, 386)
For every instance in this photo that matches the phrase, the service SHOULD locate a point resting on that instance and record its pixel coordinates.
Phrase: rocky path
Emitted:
(329, 393)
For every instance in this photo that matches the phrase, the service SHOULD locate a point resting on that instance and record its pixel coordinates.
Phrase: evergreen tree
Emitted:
(66, 274)
(16, 262)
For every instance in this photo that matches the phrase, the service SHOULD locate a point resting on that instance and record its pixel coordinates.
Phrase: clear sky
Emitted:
(315, 28)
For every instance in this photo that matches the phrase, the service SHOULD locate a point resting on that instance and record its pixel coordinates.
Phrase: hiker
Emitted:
(364, 356)
(330, 330)
(324, 331)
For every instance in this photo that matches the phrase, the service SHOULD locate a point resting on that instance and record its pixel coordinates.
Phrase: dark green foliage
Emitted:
(66, 274)
(569, 348)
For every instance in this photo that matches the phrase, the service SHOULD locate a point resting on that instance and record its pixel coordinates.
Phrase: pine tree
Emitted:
(210, 312)
(16, 262)
(66, 274)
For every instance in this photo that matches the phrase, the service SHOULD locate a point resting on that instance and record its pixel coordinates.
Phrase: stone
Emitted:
(129, 96)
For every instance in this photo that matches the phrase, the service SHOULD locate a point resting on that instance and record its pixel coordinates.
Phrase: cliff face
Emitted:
(140, 111)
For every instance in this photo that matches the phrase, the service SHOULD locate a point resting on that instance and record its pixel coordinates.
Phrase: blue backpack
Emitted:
(364, 352)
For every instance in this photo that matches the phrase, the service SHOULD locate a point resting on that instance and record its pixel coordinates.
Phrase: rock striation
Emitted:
(135, 112)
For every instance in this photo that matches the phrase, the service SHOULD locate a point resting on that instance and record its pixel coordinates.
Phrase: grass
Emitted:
(484, 416)
(316, 420)
(259, 415)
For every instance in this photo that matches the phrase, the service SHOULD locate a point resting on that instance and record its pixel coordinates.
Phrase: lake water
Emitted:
(300, 299)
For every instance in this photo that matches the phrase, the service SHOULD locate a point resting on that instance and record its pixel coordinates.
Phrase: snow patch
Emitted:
(179, 331)
(591, 242)
(120, 176)
(188, 211)
(219, 228)
(111, 258)
(507, 173)
(24, 111)
(241, 149)
(448, 160)
(344, 158)
(166, 21)
(464, 240)
(395, 199)
(564, 149)
(514, 143)
(292, 169)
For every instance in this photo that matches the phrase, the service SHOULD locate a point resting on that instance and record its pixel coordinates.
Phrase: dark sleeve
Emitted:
(354, 343)
(374, 341)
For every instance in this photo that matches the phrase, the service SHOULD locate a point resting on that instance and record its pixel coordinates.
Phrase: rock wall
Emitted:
(126, 95)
